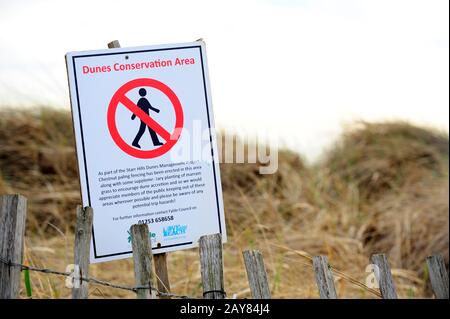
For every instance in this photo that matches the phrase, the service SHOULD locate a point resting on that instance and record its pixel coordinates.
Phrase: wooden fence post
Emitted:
(384, 276)
(159, 259)
(162, 275)
(114, 44)
(324, 277)
(438, 276)
(83, 233)
(13, 212)
(256, 274)
(211, 263)
(142, 256)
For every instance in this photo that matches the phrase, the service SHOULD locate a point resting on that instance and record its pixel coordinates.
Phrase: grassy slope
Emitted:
(383, 188)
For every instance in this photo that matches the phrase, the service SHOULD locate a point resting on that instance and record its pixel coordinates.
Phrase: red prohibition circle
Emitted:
(120, 97)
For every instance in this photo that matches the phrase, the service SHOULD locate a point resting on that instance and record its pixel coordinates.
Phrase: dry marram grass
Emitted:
(382, 188)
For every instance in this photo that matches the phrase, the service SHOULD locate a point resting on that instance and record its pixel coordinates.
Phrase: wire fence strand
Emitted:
(93, 280)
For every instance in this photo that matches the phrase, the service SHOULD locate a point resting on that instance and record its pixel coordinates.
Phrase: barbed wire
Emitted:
(93, 280)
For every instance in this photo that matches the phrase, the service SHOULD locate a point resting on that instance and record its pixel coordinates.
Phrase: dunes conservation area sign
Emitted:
(145, 144)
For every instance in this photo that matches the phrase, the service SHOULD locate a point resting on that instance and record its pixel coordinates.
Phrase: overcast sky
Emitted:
(295, 69)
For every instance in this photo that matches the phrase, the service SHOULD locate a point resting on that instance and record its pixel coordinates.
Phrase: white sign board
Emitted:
(146, 147)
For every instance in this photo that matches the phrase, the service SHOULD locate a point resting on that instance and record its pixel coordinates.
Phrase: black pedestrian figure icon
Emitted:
(145, 106)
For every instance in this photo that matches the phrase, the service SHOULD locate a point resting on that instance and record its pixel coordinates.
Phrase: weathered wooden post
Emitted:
(114, 44)
(256, 274)
(83, 233)
(142, 257)
(384, 276)
(324, 277)
(438, 276)
(162, 274)
(211, 264)
(159, 259)
(13, 212)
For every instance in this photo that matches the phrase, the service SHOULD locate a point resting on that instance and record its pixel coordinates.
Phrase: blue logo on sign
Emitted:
(174, 230)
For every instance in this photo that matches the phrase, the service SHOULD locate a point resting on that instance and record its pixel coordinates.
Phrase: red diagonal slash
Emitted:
(145, 118)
